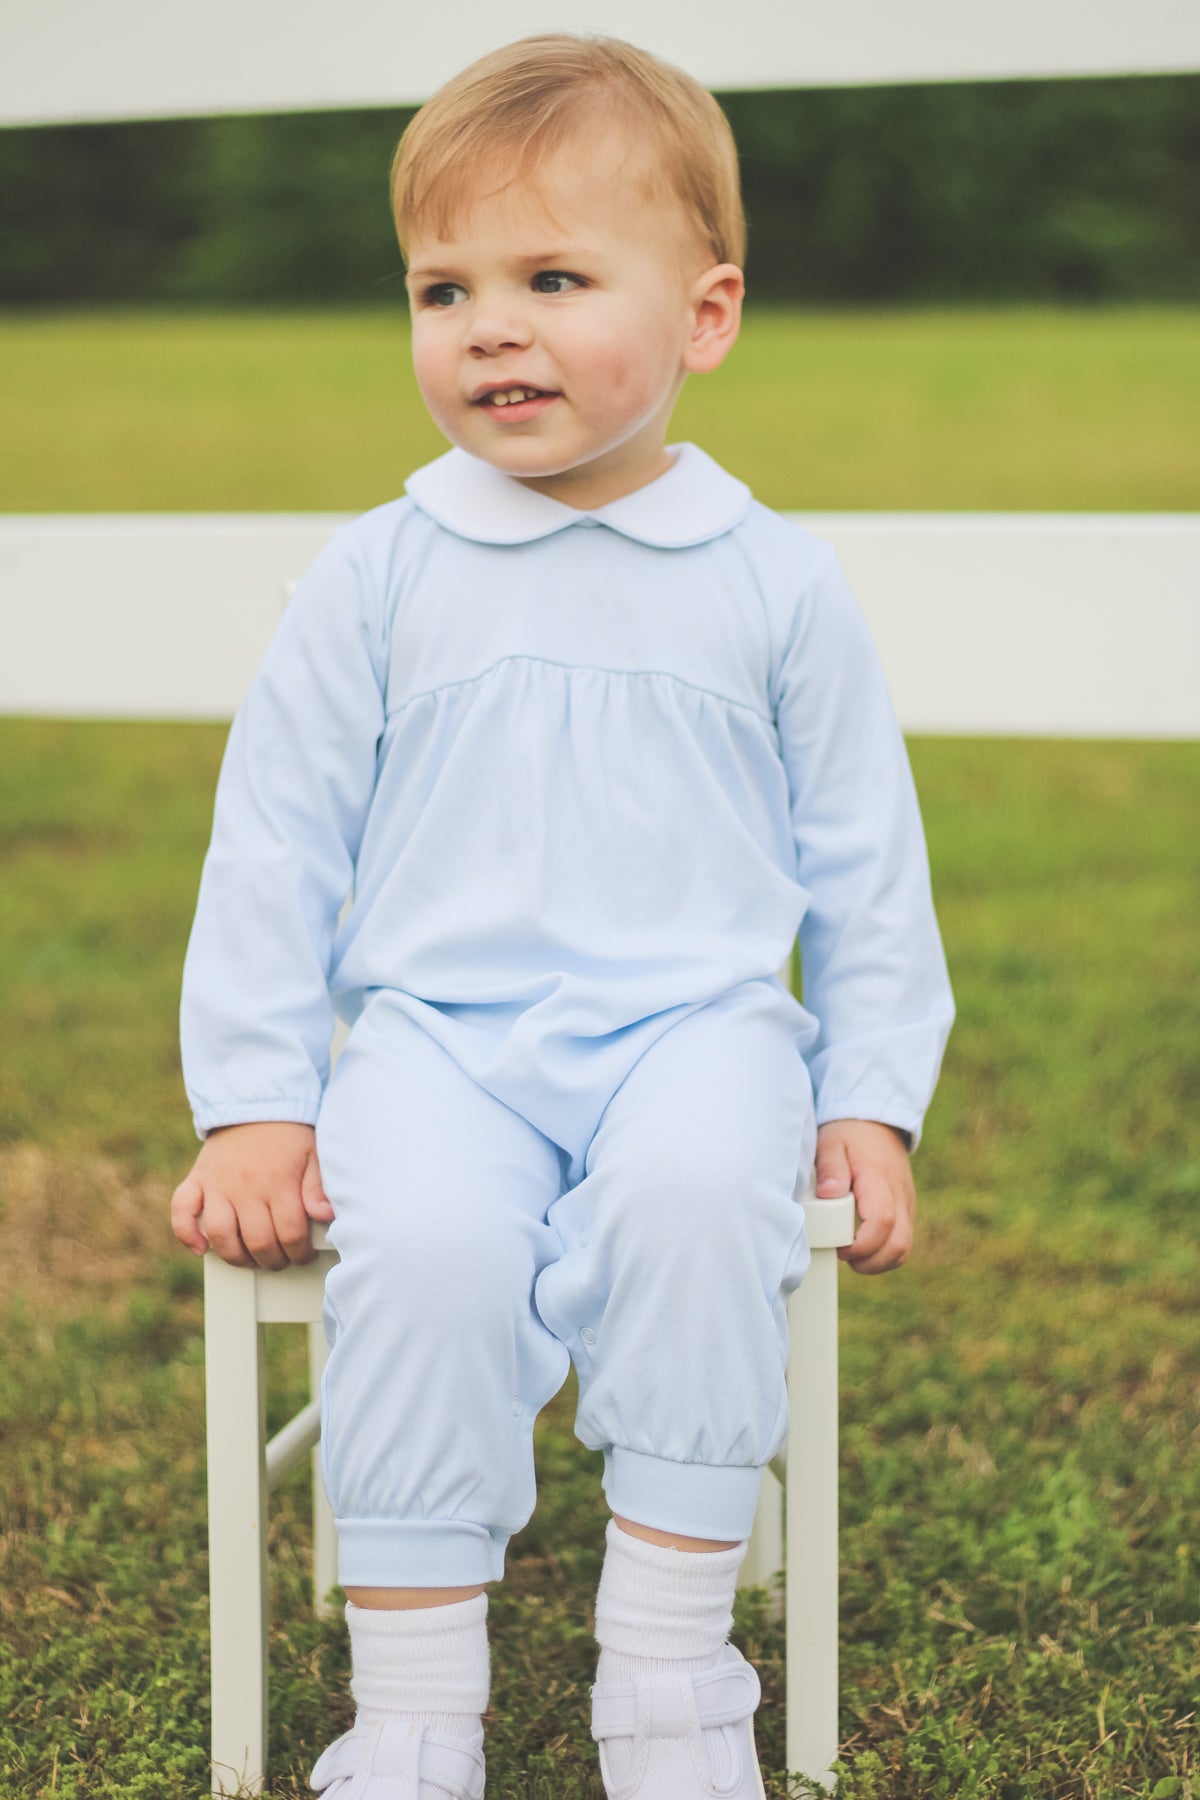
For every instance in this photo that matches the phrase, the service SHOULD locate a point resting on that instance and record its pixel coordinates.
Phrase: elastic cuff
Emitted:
(255, 1112)
(418, 1553)
(886, 1112)
(693, 1499)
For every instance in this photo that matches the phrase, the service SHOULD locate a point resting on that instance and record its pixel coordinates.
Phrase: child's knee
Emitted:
(448, 1268)
(705, 1187)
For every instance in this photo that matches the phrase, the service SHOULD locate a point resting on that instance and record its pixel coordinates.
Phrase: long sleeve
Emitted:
(875, 975)
(296, 782)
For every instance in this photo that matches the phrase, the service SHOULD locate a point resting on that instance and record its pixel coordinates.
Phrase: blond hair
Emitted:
(514, 107)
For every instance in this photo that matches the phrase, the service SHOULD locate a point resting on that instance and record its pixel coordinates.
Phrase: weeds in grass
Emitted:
(1020, 1603)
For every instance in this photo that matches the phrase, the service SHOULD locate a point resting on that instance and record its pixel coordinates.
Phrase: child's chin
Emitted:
(527, 459)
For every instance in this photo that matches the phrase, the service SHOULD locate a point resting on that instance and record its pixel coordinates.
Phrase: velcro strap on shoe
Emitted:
(399, 1756)
(341, 1761)
(727, 1693)
(614, 1712)
(450, 1763)
(723, 1695)
(396, 1757)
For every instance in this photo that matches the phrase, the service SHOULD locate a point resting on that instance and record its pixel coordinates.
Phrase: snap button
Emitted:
(516, 1409)
(588, 1335)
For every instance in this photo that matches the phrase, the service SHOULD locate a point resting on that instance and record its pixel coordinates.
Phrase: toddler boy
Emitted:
(592, 736)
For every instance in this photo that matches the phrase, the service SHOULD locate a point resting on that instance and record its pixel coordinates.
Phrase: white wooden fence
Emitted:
(1046, 624)
(995, 623)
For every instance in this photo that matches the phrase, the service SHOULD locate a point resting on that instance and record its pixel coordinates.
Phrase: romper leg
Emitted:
(680, 1247)
(438, 1364)
(237, 1525)
(764, 1561)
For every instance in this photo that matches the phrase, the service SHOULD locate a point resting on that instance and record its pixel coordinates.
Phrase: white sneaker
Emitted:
(652, 1740)
(400, 1759)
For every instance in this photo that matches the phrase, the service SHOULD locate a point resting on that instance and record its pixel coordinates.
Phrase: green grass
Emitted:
(1020, 1404)
(972, 408)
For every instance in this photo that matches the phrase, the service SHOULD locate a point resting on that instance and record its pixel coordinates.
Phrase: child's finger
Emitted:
(879, 1242)
(220, 1222)
(312, 1191)
(869, 1241)
(187, 1203)
(292, 1234)
(833, 1169)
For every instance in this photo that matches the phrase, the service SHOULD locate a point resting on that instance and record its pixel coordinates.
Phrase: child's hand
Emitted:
(250, 1195)
(872, 1160)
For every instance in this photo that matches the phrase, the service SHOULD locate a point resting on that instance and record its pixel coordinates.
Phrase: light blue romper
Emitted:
(585, 776)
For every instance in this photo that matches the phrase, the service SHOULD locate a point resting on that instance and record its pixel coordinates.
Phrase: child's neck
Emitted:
(589, 487)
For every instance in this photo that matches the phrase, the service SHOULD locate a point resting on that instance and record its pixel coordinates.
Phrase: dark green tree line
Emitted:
(1056, 190)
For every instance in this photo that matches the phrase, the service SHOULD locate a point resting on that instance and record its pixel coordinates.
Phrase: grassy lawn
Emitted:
(1020, 1481)
(1012, 408)
(1021, 1404)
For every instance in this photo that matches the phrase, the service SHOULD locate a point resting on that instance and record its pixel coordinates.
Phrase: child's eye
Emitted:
(443, 293)
(555, 281)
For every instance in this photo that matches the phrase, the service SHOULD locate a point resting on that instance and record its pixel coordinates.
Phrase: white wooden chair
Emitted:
(243, 1467)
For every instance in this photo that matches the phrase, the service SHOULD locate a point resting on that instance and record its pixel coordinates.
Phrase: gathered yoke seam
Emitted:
(582, 668)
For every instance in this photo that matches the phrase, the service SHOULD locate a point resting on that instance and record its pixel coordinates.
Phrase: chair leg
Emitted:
(764, 1556)
(812, 1523)
(324, 1531)
(237, 1526)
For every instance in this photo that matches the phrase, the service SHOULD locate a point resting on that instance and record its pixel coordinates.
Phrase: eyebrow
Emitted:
(544, 259)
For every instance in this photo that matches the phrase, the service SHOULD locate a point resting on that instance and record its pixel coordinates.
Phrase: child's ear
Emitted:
(716, 306)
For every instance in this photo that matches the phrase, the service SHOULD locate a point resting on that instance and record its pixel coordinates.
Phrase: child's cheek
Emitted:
(620, 375)
(433, 378)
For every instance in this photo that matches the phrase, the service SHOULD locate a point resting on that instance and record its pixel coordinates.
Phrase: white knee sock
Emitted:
(429, 1660)
(659, 1608)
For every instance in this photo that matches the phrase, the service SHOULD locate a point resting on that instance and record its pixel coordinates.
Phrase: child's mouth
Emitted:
(513, 404)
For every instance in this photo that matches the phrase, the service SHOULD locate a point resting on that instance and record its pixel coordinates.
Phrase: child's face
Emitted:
(578, 291)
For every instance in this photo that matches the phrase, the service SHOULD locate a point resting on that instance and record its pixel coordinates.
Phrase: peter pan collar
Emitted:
(694, 501)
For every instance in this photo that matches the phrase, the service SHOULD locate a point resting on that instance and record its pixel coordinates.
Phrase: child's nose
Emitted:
(497, 327)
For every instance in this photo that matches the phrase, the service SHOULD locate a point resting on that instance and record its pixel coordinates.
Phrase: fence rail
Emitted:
(1024, 624)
